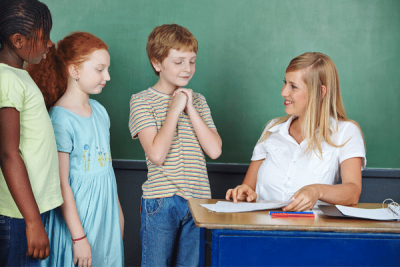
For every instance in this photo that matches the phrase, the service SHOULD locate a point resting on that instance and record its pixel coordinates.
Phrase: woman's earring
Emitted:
(77, 79)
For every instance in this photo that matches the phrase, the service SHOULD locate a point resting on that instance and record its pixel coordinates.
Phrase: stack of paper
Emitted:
(228, 206)
(374, 214)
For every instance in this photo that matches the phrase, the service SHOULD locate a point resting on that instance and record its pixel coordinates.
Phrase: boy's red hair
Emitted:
(166, 37)
(51, 75)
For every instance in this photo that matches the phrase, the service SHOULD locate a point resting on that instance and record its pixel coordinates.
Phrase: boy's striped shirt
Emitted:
(184, 170)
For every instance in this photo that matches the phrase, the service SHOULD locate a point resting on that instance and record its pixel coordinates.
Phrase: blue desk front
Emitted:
(254, 239)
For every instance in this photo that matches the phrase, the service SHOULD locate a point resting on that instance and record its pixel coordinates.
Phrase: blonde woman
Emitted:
(302, 156)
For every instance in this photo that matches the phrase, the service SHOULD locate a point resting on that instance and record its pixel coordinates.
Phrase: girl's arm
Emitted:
(347, 193)
(121, 219)
(156, 144)
(209, 139)
(246, 191)
(81, 249)
(16, 177)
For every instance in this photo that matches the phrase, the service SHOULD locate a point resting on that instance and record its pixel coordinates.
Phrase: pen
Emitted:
(298, 214)
(290, 212)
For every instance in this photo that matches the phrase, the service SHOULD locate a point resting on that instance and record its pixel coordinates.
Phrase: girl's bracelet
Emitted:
(74, 240)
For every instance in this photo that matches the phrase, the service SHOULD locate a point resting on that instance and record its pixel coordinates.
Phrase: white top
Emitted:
(287, 168)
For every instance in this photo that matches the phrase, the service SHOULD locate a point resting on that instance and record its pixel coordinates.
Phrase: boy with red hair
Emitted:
(174, 126)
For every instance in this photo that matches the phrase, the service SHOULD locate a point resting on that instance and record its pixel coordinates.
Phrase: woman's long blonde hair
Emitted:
(320, 70)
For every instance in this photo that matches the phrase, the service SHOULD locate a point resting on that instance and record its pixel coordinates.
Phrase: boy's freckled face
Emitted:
(178, 68)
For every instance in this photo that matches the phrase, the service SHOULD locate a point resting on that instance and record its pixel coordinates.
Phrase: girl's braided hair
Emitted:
(26, 17)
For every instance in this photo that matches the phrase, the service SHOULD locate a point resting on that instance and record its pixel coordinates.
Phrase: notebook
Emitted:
(391, 212)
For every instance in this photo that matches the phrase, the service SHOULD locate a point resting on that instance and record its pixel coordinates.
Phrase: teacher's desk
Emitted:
(256, 239)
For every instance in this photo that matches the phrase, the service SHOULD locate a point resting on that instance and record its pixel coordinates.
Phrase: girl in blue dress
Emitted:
(87, 229)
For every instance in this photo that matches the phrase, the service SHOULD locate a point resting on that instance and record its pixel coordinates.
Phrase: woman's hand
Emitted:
(304, 199)
(241, 192)
(82, 253)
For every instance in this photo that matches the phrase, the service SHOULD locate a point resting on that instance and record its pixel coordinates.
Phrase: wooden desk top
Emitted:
(261, 220)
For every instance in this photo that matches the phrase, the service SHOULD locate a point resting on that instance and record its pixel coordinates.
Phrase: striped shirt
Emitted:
(184, 170)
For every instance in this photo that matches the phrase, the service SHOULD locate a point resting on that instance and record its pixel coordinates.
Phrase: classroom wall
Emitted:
(244, 48)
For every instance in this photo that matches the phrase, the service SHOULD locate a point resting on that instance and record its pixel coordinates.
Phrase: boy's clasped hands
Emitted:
(182, 100)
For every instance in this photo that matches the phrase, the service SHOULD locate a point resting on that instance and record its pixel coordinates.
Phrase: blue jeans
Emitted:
(168, 234)
(13, 243)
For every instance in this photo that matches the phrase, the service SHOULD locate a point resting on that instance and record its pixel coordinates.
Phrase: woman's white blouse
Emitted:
(287, 168)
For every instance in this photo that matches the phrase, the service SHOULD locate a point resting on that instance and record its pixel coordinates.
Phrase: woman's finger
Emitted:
(228, 194)
(239, 193)
(234, 193)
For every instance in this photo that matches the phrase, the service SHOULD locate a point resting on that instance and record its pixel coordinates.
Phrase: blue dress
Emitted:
(93, 184)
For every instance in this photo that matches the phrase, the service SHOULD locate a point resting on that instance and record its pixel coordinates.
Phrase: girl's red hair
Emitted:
(51, 75)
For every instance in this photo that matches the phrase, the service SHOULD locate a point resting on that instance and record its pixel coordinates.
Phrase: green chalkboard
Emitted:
(244, 48)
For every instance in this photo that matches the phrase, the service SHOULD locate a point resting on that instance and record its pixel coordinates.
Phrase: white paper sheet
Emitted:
(229, 206)
(383, 214)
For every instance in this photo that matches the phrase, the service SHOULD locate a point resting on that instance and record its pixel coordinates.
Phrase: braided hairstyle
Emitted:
(26, 17)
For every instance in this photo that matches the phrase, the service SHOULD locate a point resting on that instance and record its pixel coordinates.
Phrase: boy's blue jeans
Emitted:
(168, 234)
(13, 243)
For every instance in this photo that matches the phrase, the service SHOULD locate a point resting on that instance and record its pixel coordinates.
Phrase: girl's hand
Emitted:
(241, 192)
(178, 101)
(121, 219)
(304, 199)
(189, 94)
(38, 242)
(82, 253)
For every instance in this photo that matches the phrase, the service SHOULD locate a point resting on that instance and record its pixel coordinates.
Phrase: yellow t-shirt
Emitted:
(37, 145)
